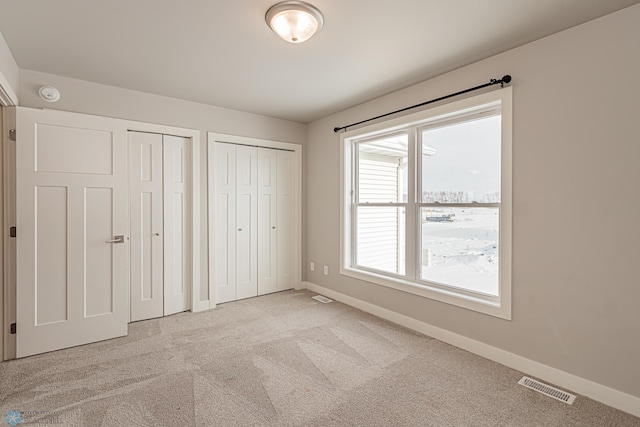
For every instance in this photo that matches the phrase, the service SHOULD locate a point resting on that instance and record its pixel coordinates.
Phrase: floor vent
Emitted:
(322, 299)
(553, 392)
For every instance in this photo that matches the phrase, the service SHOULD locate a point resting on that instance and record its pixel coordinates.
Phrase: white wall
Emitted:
(97, 99)
(576, 181)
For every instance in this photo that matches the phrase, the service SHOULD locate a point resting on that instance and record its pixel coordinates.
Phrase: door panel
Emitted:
(224, 242)
(246, 217)
(91, 150)
(285, 221)
(98, 257)
(267, 217)
(71, 198)
(147, 281)
(177, 278)
(51, 255)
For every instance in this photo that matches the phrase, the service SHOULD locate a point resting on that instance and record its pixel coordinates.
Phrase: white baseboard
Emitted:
(598, 392)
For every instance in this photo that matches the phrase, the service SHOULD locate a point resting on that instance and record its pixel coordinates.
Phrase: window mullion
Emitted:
(354, 201)
(411, 236)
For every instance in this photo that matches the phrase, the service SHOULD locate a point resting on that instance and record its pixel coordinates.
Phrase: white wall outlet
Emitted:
(312, 266)
(326, 270)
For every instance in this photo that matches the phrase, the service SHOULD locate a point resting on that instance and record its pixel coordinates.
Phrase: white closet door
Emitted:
(267, 217)
(246, 221)
(224, 244)
(284, 223)
(224, 241)
(146, 226)
(177, 295)
(71, 201)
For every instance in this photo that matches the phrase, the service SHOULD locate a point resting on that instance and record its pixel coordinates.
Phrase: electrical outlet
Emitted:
(312, 266)
(326, 270)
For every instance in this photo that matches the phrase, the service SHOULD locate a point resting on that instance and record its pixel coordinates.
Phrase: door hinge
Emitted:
(13, 328)
(12, 134)
(12, 232)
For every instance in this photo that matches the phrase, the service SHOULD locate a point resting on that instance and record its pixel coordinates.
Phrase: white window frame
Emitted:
(498, 306)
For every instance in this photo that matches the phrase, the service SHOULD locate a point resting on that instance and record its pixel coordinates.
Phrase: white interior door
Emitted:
(224, 242)
(145, 151)
(177, 276)
(71, 188)
(267, 220)
(246, 222)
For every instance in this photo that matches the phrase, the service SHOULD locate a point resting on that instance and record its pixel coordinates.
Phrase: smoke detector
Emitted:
(49, 93)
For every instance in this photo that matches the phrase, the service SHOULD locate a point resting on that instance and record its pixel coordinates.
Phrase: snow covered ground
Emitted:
(463, 252)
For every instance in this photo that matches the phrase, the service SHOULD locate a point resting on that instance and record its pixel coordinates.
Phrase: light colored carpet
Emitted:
(279, 360)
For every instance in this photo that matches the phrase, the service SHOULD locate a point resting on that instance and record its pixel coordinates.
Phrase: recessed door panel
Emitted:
(51, 260)
(146, 160)
(223, 273)
(87, 151)
(177, 263)
(148, 269)
(99, 260)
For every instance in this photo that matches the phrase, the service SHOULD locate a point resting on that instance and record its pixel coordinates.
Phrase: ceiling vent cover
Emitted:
(545, 389)
(322, 299)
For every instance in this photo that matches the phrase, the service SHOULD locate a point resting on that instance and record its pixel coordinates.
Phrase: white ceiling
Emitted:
(221, 52)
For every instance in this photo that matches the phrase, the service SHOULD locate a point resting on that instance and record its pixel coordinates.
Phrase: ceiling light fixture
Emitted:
(294, 21)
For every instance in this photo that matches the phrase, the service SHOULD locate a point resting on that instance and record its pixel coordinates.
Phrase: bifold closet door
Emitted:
(236, 208)
(159, 225)
(147, 283)
(267, 221)
(253, 202)
(284, 222)
(224, 246)
(177, 293)
(246, 222)
(275, 227)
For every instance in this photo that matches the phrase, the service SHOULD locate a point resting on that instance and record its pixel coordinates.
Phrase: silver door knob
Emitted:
(239, 229)
(156, 234)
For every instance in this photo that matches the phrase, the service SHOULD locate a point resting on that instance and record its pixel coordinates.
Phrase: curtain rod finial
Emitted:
(336, 130)
(506, 79)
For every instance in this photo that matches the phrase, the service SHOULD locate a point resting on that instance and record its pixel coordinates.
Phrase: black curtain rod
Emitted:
(502, 81)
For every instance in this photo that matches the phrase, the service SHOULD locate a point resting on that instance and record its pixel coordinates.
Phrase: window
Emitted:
(426, 203)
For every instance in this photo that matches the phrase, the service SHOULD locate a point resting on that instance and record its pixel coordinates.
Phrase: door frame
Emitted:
(8, 294)
(197, 304)
(8, 98)
(212, 138)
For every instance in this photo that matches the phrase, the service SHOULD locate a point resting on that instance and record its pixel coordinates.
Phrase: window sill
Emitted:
(493, 306)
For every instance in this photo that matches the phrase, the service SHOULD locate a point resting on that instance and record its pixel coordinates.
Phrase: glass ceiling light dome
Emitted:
(294, 21)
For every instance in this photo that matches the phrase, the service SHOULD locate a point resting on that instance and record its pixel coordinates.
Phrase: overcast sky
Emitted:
(467, 158)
